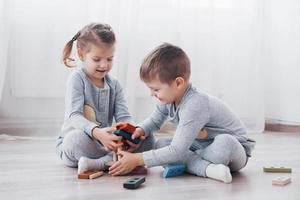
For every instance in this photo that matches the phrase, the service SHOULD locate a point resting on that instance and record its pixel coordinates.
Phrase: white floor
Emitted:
(29, 169)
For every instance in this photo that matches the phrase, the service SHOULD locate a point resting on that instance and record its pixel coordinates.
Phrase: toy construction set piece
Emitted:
(126, 130)
(127, 136)
(126, 127)
(139, 170)
(281, 180)
(90, 174)
(134, 183)
(173, 170)
(278, 169)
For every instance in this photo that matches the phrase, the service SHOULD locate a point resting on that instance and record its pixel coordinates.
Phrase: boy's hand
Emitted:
(138, 133)
(105, 136)
(131, 147)
(128, 162)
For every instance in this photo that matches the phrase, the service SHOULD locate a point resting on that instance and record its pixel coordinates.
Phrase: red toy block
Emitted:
(126, 127)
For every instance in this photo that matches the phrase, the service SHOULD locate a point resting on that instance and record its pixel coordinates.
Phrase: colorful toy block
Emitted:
(139, 170)
(126, 127)
(134, 183)
(173, 170)
(126, 136)
(281, 181)
(278, 169)
(90, 174)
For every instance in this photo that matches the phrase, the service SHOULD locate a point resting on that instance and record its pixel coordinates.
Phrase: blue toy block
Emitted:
(173, 170)
(127, 136)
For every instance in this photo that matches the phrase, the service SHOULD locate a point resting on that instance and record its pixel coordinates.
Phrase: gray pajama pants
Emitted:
(225, 149)
(77, 144)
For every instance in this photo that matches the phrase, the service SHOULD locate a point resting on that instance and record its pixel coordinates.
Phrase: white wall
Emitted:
(281, 60)
(224, 41)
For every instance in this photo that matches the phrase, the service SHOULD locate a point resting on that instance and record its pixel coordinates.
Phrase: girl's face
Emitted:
(97, 61)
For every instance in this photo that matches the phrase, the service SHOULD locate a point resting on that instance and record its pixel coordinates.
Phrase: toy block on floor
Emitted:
(134, 182)
(139, 170)
(281, 180)
(278, 169)
(126, 127)
(90, 174)
(126, 136)
(173, 170)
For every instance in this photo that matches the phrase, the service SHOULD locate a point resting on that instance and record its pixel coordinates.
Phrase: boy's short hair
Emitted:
(167, 62)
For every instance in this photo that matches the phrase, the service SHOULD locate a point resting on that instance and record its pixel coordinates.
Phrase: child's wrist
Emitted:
(93, 132)
(140, 159)
(96, 133)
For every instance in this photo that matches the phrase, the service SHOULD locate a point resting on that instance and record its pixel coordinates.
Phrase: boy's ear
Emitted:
(180, 82)
(80, 54)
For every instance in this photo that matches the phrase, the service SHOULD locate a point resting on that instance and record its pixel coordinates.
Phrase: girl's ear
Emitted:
(80, 54)
(180, 82)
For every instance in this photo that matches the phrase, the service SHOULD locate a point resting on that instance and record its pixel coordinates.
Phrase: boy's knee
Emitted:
(223, 149)
(226, 140)
(147, 144)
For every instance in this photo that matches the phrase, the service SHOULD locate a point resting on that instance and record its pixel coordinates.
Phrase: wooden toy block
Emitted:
(139, 170)
(96, 175)
(126, 136)
(115, 157)
(126, 127)
(173, 170)
(119, 157)
(134, 182)
(281, 180)
(90, 174)
(278, 169)
(121, 148)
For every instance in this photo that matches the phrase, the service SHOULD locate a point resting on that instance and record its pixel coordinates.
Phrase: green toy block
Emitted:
(278, 169)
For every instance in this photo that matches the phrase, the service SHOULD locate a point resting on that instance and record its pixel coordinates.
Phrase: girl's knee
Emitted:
(68, 161)
(71, 141)
(73, 146)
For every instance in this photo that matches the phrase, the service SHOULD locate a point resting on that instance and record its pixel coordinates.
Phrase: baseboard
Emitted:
(282, 126)
(48, 127)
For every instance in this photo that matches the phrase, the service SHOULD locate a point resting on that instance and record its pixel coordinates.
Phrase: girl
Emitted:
(92, 100)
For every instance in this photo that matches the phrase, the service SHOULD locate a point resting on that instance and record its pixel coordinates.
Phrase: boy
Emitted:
(221, 147)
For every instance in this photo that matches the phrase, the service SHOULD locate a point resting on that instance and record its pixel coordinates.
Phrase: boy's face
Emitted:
(164, 92)
(98, 61)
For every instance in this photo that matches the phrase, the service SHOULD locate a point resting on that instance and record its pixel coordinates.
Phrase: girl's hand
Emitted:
(128, 162)
(107, 138)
